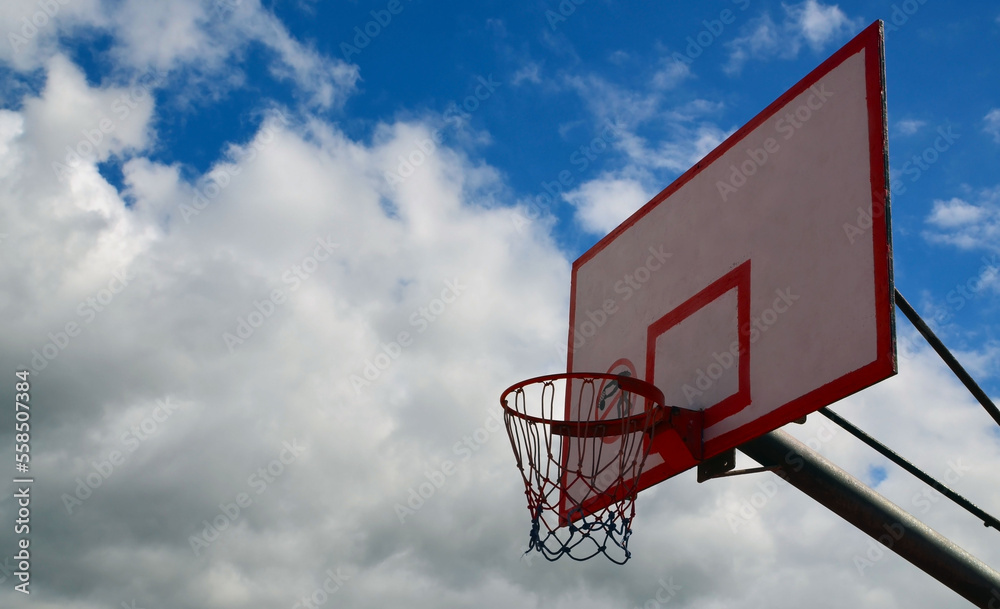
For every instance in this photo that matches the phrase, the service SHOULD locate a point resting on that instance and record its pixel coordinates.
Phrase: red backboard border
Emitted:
(871, 41)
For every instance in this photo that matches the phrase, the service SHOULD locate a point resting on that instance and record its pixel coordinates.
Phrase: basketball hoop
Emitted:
(581, 442)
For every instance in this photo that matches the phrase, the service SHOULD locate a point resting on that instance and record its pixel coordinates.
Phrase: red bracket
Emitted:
(689, 425)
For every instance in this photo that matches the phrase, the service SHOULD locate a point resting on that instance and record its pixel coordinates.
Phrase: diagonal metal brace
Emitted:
(946, 355)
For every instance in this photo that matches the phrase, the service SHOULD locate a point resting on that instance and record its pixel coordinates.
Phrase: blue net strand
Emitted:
(556, 544)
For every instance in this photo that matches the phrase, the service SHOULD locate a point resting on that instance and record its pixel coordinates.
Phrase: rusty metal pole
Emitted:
(881, 519)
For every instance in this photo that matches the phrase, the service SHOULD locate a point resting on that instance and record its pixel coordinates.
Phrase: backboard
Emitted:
(758, 286)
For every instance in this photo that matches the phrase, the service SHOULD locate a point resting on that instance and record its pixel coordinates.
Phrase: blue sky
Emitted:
(233, 162)
(560, 75)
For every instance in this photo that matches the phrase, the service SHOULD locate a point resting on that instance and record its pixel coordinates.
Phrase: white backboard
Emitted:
(758, 286)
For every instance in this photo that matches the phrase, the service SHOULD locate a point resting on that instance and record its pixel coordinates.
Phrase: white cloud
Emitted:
(761, 40)
(677, 154)
(684, 135)
(910, 126)
(203, 41)
(31, 33)
(810, 22)
(328, 81)
(619, 57)
(433, 253)
(983, 363)
(954, 213)
(609, 101)
(989, 278)
(671, 74)
(603, 203)
(820, 24)
(967, 225)
(530, 72)
(73, 120)
(165, 35)
(992, 124)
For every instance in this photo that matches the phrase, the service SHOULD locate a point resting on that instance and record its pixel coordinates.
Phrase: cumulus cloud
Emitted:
(256, 300)
(967, 225)
(810, 23)
(955, 212)
(74, 122)
(603, 203)
(195, 40)
(820, 24)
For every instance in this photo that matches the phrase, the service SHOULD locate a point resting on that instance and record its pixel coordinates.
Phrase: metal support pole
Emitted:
(885, 451)
(881, 519)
